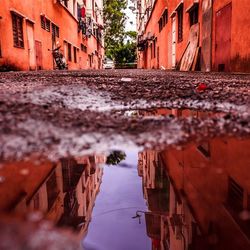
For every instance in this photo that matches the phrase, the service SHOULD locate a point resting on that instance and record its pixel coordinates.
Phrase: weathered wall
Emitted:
(240, 38)
(32, 10)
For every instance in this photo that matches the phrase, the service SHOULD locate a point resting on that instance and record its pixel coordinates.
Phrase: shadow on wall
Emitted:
(240, 64)
(8, 66)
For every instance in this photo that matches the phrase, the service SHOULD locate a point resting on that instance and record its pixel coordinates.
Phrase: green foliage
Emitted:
(132, 35)
(114, 24)
(125, 53)
(115, 157)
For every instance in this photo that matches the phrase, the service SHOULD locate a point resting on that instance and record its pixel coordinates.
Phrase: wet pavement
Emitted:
(124, 160)
(59, 114)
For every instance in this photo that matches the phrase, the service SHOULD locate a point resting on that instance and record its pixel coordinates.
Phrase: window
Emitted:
(165, 17)
(235, 195)
(75, 54)
(83, 48)
(43, 20)
(163, 20)
(204, 148)
(154, 48)
(193, 15)
(69, 52)
(17, 26)
(160, 25)
(90, 60)
(65, 2)
(52, 190)
(45, 23)
(180, 23)
(55, 30)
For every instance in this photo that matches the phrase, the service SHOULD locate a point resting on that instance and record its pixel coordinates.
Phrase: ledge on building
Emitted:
(192, 6)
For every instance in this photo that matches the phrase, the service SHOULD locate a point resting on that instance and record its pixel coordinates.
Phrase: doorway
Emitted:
(39, 63)
(223, 20)
(31, 45)
(174, 42)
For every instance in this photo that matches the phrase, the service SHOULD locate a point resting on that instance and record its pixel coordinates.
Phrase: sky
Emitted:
(132, 18)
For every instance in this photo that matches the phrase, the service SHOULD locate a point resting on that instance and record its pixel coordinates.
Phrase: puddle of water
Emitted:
(112, 226)
(157, 113)
(196, 196)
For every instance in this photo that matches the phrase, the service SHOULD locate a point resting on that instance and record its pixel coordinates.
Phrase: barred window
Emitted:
(180, 23)
(17, 26)
(45, 23)
(55, 30)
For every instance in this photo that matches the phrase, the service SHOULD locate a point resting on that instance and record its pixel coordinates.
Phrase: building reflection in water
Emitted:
(64, 192)
(207, 204)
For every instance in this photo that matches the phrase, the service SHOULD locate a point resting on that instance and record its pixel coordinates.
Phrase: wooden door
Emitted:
(31, 45)
(174, 42)
(39, 62)
(223, 20)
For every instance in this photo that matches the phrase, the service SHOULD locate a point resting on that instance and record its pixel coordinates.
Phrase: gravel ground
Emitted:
(56, 114)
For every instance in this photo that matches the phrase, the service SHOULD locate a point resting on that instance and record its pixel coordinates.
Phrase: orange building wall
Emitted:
(240, 49)
(240, 36)
(32, 10)
(165, 36)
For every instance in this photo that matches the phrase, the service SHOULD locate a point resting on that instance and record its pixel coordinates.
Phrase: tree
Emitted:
(114, 24)
(115, 157)
(126, 52)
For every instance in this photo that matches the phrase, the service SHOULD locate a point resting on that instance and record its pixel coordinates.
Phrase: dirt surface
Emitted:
(56, 114)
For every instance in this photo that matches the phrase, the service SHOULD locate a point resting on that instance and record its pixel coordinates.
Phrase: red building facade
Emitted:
(29, 30)
(202, 35)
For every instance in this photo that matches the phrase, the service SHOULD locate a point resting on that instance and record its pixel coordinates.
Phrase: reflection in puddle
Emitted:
(194, 197)
(112, 226)
(208, 195)
(197, 197)
(63, 192)
(163, 112)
